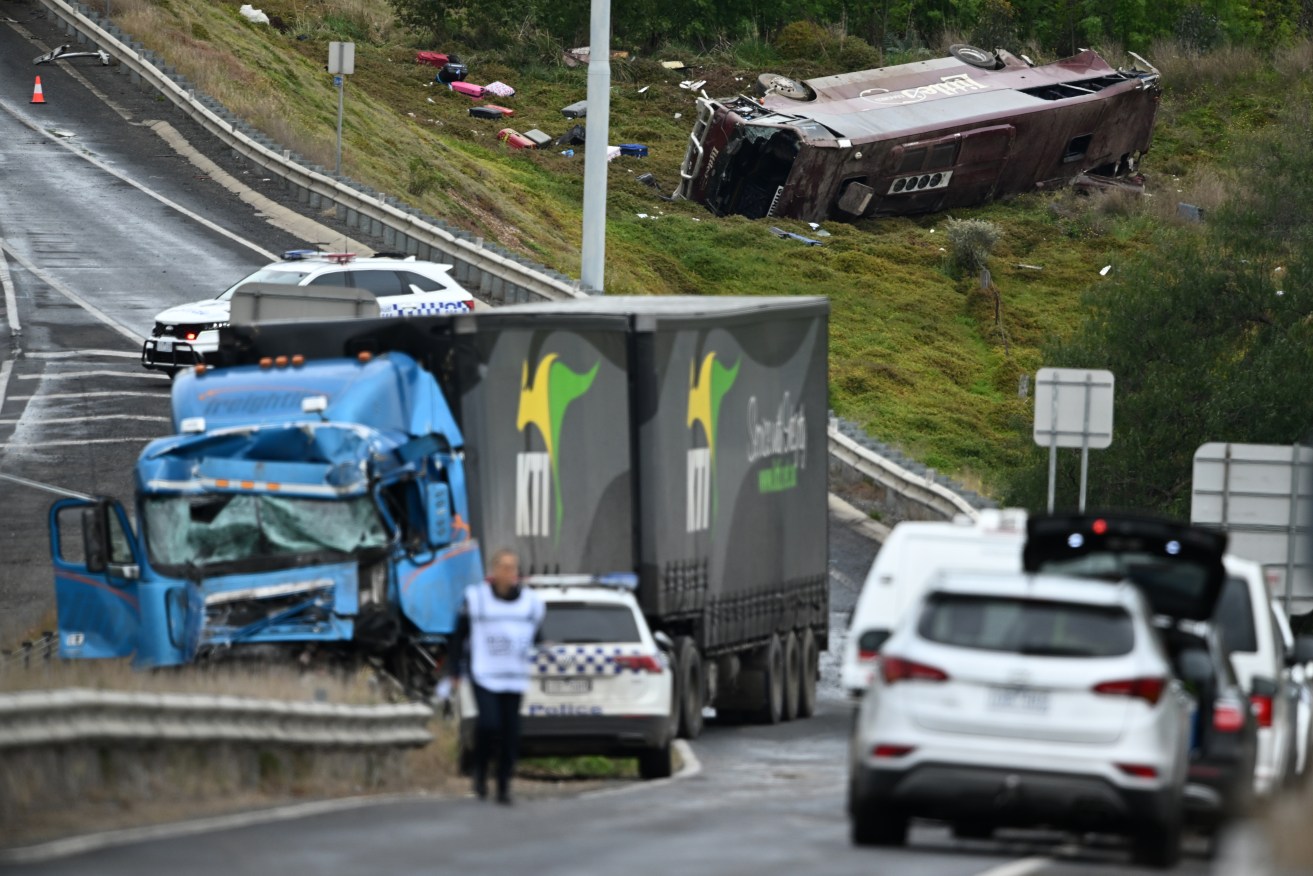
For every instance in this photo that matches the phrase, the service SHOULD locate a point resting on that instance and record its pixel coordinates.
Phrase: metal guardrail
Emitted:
(487, 270)
(913, 482)
(40, 718)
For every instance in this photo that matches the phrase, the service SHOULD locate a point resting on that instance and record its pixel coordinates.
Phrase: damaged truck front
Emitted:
(918, 138)
(315, 508)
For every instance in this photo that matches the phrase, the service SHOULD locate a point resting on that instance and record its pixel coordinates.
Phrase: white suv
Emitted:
(189, 333)
(1008, 700)
(602, 682)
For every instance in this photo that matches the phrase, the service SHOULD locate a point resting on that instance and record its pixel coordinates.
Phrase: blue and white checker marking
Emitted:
(424, 308)
(558, 660)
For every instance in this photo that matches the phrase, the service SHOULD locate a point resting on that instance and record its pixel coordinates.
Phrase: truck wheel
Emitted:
(811, 660)
(654, 763)
(792, 676)
(688, 663)
(771, 656)
(1158, 844)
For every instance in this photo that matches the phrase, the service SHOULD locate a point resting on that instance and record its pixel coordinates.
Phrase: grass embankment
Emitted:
(917, 355)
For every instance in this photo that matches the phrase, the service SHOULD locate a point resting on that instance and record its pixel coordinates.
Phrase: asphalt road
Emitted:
(92, 258)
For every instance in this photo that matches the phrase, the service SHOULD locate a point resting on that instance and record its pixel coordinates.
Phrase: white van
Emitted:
(914, 552)
(1251, 634)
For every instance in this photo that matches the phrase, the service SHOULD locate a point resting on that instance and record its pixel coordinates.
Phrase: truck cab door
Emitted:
(97, 571)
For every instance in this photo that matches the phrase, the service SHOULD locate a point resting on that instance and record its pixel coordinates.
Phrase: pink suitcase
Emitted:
(469, 89)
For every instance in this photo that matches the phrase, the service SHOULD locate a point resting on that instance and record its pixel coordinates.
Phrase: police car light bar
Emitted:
(296, 255)
(618, 580)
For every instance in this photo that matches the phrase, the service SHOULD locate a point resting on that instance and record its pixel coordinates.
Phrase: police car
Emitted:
(601, 681)
(186, 335)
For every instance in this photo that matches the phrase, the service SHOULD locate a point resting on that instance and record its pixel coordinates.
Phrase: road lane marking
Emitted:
(82, 354)
(5, 367)
(11, 300)
(91, 418)
(1021, 867)
(68, 375)
(174, 205)
(97, 394)
(71, 295)
(49, 488)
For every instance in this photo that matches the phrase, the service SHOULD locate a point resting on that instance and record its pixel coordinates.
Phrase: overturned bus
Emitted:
(918, 138)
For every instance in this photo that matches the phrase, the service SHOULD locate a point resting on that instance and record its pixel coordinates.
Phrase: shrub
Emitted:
(972, 240)
(801, 40)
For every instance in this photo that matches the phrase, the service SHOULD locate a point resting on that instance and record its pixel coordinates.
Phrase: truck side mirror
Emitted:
(95, 543)
(438, 506)
(1303, 651)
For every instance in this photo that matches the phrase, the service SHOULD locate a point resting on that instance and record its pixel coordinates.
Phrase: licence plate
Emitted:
(1019, 699)
(567, 686)
(164, 346)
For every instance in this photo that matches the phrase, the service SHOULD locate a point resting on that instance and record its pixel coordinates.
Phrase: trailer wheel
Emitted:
(792, 676)
(811, 659)
(688, 663)
(771, 656)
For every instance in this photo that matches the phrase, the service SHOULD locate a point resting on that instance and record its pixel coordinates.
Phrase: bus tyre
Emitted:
(688, 663)
(792, 676)
(771, 657)
(811, 666)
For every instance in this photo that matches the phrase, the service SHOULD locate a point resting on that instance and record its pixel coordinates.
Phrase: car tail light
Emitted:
(1262, 706)
(1227, 717)
(191, 336)
(638, 662)
(1148, 689)
(896, 669)
(1138, 770)
(886, 750)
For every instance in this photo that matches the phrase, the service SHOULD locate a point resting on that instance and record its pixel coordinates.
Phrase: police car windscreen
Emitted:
(583, 622)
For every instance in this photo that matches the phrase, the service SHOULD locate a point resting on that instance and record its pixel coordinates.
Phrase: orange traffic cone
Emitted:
(37, 95)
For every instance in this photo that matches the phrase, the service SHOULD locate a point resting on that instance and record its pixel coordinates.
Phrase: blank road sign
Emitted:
(1073, 408)
(342, 58)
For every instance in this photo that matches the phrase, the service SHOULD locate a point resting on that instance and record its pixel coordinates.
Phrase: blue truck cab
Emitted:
(298, 504)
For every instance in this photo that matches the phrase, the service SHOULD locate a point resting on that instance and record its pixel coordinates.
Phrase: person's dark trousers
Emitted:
(498, 725)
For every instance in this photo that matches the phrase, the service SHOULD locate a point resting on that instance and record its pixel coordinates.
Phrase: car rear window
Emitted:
(585, 622)
(1235, 617)
(1027, 626)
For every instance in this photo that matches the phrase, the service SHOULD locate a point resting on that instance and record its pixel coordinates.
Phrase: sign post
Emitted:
(1073, 408)
(341, 63)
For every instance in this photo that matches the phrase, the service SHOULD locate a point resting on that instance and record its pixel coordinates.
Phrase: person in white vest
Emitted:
(500, 621)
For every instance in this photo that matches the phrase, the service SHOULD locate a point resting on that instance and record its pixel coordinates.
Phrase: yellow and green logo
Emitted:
(543, 403)
(707, 386)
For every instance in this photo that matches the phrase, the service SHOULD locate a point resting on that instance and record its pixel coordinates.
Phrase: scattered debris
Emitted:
(577, 110)
(499, 88)
(673, 65)
(433, 59)
(644, 89)
(789, 235)
(581, 55)
(1103, 272)
(679, 115)
(1190, 212)
(1087, 183)
(64, 52)
(648, 180)
(58, 133)
(1030, 267)
(469, 89)
(253, 15)
(573, 137)
(539, 138)
(568, 153)
(514, 139)
(612, 153)
(690, 85)
(452, 71)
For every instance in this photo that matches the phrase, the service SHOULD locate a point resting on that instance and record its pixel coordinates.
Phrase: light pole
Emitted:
(593, 257)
